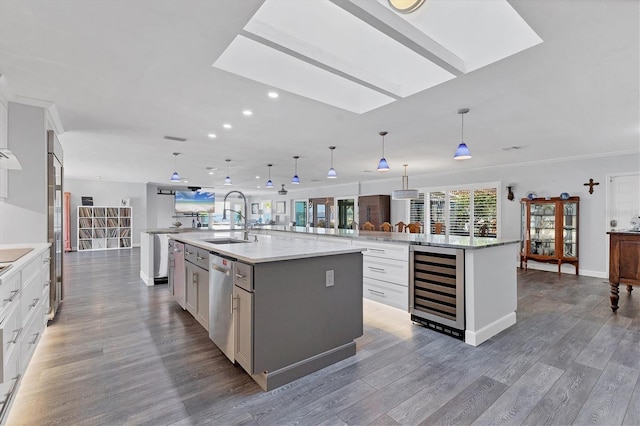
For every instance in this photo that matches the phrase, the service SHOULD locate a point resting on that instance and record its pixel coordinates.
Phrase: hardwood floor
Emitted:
(123, 353)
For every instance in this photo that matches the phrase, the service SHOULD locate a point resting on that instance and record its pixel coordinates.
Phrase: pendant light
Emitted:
(175, 177)
(332, 172)
(295, 179)
(405, 193)
(462, 153)
(269, 183)
(383, 166)
(227, 180)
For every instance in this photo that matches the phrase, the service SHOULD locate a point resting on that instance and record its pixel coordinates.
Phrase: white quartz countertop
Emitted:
(268, 248)
(17, 265)
(448, 241)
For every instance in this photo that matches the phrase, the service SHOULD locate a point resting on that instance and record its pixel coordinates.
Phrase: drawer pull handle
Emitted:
(47, 283)
(188, 253)
(381, 293)
(373, 268)
(240, 276)
(198, 257)
(13, 296)
(376, 250)
(35, 338)
(35, 303)
(46, 260)
(17, 332)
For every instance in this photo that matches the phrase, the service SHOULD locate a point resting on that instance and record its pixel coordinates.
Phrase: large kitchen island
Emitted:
(280, 308)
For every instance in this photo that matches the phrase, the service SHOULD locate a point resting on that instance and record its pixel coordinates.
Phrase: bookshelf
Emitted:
(104, 227)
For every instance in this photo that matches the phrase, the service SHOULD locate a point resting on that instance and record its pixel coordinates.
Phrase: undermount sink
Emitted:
(225, 241)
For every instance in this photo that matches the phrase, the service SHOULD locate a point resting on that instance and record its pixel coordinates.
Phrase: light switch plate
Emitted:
(329, 278)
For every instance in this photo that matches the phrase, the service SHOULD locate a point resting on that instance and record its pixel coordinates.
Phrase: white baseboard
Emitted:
(565, 269)
(474, 338)
(145, 279)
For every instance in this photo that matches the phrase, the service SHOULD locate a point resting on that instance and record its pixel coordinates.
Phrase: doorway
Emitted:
(322, 212)
(346, 213)
(623, 203)
(300, 212)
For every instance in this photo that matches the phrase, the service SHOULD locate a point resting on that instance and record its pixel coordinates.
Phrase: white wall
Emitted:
(106, 193)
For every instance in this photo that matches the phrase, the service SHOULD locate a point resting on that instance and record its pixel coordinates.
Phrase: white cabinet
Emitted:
(104, 227)
(385, 272)
(24, 294)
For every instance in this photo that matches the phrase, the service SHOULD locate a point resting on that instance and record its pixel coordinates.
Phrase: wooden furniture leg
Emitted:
(613, 296)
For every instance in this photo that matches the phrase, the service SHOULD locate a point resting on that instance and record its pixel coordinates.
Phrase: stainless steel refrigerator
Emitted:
(55, 226)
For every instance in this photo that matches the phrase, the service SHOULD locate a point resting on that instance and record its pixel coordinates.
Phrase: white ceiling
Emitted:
(124, 74)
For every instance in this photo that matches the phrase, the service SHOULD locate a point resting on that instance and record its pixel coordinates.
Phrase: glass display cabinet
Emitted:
(549, 231)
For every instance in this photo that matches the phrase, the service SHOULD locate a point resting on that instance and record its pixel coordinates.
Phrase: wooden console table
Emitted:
(624, 262)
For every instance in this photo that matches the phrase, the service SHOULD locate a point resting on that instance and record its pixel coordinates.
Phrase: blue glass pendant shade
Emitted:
(383, 166)
(332, 174)
(227, 181)
(295, 179)
(175, 177)
(269, 184)
(462, 153)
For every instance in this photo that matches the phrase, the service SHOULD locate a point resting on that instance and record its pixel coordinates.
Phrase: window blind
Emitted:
(485, 210)
(459, 212)
(416, 209)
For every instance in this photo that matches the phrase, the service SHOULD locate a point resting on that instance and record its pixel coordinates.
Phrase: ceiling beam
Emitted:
(394, 26)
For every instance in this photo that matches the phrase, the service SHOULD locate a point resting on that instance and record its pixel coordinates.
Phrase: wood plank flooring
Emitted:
(123, 353)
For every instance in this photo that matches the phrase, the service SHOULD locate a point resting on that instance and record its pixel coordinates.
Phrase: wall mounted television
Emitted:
(195, 202)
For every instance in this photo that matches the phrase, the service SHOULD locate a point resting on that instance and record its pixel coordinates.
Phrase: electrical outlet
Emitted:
(329, 278)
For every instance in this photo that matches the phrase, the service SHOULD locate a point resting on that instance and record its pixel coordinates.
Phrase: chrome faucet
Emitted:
(224, 212)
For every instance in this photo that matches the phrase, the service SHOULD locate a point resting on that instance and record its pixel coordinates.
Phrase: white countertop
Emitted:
(448, 241)
(267, 249)
(38, 248)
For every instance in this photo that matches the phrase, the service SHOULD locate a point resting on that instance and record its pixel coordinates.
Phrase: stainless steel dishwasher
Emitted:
(221, 324)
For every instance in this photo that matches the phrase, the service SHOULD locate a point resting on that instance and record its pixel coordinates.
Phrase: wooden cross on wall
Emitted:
(591, 184)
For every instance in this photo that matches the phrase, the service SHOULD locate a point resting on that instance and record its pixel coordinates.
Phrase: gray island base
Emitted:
(299, 324)
(289, 307)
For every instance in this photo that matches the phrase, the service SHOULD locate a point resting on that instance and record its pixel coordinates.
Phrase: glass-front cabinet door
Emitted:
(543, 228)
(570, 230)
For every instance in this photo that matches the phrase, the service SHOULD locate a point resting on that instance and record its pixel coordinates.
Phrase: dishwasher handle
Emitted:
(225, 271)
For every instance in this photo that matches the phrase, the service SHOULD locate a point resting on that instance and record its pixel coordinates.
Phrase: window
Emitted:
(460, 211)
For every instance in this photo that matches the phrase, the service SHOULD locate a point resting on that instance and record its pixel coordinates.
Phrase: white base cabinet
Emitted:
(385, 273)
(24, 307)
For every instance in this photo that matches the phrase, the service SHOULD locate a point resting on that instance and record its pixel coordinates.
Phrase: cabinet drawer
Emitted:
(31, 335)
(10, 331)
(11, 375)
(197, 256)
(9, 290)
(31, 270)
(387, 251)
(243, 276)
(394, 271)
(387, 293)
(31, 297)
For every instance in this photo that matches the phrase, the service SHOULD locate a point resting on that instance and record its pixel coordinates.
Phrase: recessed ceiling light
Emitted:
(226, 125)
(258, 186)
(212, 135)
(273, 95)
(257, 177)
(98, 177)
(247, 112)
